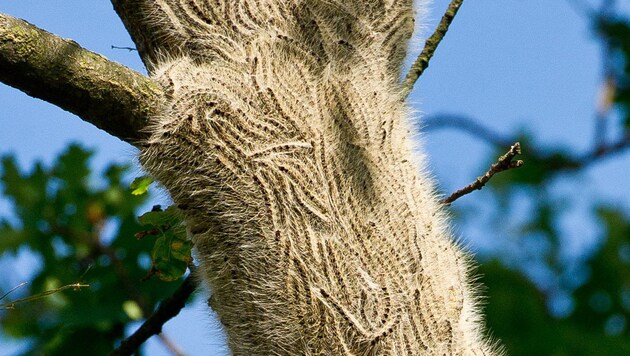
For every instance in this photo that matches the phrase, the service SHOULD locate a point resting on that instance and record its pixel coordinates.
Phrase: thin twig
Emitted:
(11, 305)
(170, 345)
(167, 309)
(13, 289)
(504, 163)
(130, 49)
(422, 62)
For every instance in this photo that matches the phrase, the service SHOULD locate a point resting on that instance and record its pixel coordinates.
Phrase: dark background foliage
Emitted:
(82, 233)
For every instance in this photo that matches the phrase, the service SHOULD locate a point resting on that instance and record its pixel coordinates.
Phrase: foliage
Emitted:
(517, 310)
(543, 300)
(171, 255)
(82, 233)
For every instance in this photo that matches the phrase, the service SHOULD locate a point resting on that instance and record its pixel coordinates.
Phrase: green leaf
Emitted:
(10, 239)
(162, 219)
(140, 185)
(171, 253)
(132, 309)
(73, 166)
(171, 256)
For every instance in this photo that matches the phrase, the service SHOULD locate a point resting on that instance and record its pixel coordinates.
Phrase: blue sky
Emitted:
(507, 63)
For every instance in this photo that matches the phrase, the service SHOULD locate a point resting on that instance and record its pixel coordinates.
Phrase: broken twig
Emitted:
(504, 163)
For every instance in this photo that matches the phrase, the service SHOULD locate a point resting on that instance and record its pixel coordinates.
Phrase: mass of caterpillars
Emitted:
(288, 147)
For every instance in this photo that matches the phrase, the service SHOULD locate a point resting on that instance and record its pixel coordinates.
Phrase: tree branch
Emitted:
(600, 150)
(167, 310)
(504, 163)
(109, 95)
(467, 124)
(422, 62)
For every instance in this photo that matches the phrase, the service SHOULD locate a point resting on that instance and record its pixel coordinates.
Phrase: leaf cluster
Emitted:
(82, 233)
(517, 308)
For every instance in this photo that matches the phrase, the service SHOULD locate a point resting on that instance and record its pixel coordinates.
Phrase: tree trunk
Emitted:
(285, 141)
(282, 133)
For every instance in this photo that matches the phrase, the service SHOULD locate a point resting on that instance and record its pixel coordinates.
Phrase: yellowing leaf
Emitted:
(140, 185)
(132, 309)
